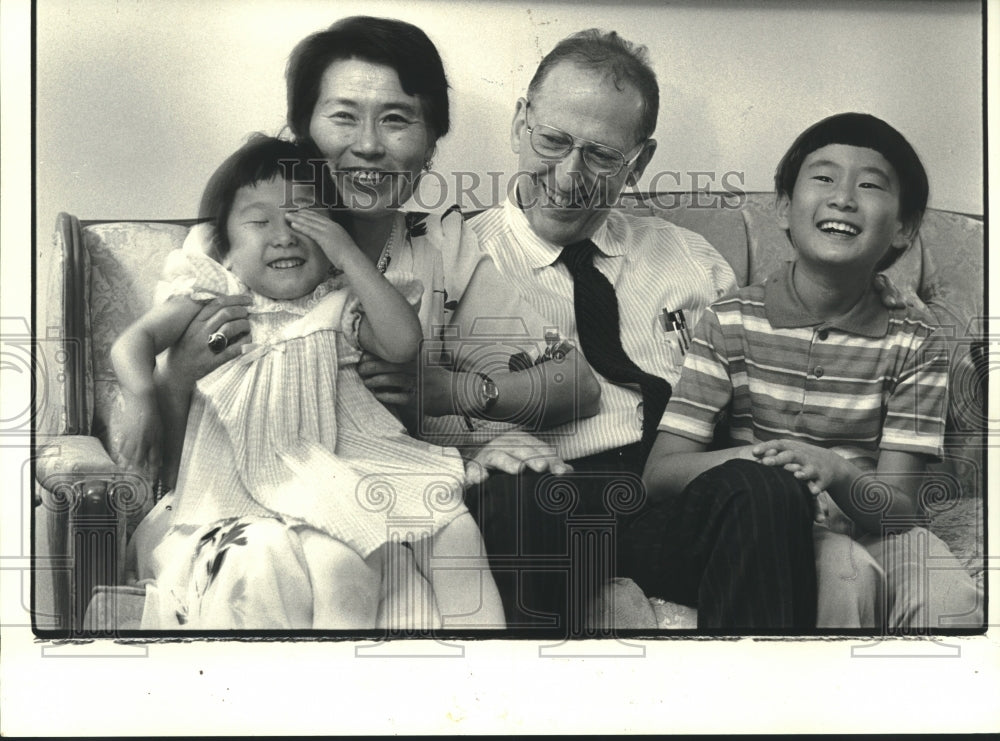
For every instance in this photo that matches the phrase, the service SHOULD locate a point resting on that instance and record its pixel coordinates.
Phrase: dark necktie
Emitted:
(597, 323)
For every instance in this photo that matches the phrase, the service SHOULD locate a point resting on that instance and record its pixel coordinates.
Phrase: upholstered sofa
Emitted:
(97, 276)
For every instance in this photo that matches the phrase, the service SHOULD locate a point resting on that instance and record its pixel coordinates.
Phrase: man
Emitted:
(582, 133)
(609, 284)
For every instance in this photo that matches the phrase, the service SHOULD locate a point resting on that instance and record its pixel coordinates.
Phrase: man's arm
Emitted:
(540, 396)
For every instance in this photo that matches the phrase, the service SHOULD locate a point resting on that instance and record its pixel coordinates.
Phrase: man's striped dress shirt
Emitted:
(652, 264)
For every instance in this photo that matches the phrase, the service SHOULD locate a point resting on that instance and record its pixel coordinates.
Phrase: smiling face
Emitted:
(563, 200)
(374, 136)
(264, 252)
(844, 211)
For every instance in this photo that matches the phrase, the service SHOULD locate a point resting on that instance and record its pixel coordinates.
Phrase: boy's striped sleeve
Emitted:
(916, 409)
(705, 390)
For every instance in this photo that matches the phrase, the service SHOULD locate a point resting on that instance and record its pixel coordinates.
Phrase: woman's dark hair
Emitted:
(396, 44)
(869, 132)
(260, 160)
(609, 53)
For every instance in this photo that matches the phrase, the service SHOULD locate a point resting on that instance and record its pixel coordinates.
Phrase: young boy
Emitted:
(827, 393)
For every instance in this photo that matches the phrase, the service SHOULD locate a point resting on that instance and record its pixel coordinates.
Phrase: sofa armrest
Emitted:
(69, 467)
(92, 505)
(72, 457)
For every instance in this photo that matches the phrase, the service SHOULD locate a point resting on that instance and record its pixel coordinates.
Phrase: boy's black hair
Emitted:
(869, 132)
(260, 160)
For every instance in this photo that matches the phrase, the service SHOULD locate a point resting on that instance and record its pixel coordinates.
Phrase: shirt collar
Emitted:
(784, 309)
(610, 236)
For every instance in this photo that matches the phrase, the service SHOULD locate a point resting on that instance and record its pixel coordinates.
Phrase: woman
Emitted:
(370, 97)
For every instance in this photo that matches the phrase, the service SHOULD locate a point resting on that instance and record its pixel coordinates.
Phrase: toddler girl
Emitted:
(297, 489)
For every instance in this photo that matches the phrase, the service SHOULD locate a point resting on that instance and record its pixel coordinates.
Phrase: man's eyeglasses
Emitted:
(553, 143)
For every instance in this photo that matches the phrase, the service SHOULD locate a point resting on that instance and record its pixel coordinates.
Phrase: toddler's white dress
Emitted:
(282, 438)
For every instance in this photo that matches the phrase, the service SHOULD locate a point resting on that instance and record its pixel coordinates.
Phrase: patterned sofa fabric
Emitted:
(122, 280)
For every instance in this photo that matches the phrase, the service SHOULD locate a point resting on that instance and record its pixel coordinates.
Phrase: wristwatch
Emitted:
(488, 392)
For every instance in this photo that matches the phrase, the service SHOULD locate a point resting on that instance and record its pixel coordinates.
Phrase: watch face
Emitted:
(489, 390)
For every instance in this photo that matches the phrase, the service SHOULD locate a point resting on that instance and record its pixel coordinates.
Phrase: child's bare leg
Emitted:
(409, 600)
(463, 586)
(850, 584)
(928, 588)
(346, 587)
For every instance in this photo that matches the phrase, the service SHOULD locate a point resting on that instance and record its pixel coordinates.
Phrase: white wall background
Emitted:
(139, 100)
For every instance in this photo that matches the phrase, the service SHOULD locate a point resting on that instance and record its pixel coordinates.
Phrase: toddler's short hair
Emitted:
(861, 130)
(260, 160)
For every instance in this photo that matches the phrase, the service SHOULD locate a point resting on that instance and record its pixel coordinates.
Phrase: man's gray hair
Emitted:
(623, 61)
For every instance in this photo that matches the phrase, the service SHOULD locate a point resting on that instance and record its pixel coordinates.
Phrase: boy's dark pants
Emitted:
(737, 543)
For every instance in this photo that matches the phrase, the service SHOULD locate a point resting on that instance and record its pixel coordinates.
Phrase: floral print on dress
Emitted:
(209, 556)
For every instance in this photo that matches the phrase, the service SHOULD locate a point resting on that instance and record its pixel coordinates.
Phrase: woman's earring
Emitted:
(428, 163)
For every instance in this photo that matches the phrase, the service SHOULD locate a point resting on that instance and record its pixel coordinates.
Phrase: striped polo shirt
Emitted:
(652, 264)
(873, 379)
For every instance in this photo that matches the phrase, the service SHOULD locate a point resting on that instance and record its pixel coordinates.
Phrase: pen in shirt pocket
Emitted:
(685, 331)
(672, 337)
(675, 321)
